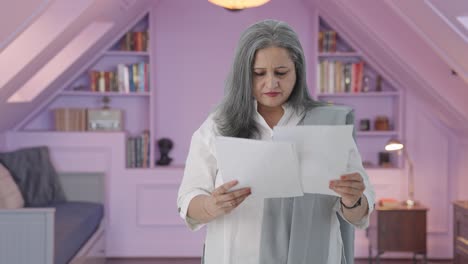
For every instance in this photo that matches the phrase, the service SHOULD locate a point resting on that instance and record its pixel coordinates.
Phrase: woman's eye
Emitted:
(281, 73)
(259, 73)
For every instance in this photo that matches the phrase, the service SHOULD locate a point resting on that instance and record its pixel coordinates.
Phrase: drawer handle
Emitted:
(463, 240)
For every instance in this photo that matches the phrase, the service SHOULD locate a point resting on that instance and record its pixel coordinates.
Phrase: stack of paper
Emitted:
(300, 159)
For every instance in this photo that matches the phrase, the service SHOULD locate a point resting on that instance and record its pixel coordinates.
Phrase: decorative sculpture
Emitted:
(165, 145)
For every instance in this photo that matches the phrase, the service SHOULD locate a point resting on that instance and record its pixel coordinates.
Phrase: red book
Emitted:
(360, 76)
(138, 41)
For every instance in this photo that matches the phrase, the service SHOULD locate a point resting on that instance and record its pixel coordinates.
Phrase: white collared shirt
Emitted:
(235, 238)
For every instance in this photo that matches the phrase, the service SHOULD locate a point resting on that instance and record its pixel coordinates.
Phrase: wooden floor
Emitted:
(197, 261)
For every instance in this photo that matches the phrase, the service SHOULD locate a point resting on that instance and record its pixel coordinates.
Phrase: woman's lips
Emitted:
(272, 94)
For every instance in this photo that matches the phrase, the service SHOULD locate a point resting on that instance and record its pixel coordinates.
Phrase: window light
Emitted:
(464, 21)
(21, 51)
(61, 61)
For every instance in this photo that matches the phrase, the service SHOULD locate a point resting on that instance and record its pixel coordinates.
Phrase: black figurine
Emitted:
(165, 145)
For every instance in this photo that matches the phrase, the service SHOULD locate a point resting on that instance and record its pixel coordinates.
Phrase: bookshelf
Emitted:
(121, 74)
(344, 77)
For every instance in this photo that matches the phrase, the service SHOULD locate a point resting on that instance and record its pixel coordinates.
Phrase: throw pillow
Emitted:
(37, 179)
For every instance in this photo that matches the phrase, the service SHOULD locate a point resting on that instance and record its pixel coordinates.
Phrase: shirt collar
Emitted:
(289, 118)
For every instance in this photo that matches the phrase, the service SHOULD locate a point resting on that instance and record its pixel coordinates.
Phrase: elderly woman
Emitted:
(265, 88)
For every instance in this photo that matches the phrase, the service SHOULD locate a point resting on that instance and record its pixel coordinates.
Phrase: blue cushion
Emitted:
(75, 223)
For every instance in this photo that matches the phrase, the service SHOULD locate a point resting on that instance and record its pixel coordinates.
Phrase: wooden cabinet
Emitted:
(460, 232)
(399, 229)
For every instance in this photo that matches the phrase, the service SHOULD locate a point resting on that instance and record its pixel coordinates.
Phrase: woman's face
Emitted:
(274, 76)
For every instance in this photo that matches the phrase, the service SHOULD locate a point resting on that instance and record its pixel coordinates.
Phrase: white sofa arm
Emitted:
(27, 235)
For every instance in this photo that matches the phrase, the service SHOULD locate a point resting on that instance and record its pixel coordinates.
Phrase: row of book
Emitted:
(138, 150)
(134, 41)
(70, 119)
(340, 77)
(126, 79)
(87, 119)
(327, 41)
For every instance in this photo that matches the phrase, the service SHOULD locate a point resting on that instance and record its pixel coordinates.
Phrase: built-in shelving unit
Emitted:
(344, 77)
(120, 76)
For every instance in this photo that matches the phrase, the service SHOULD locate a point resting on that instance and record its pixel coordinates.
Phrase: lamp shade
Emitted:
(393, 145)
(238, 4)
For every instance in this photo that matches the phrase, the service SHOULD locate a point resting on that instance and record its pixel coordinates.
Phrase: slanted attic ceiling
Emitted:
(119, 13)
(402, 38)
(19, 17)
(392, 43)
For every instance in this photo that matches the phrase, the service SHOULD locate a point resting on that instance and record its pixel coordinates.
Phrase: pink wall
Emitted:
(428, 143)
(194, 43)
(459, 165)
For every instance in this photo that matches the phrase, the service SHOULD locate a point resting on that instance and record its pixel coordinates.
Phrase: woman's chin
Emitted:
(271, 103)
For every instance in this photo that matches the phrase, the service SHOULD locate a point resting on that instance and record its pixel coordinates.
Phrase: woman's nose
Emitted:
(272, 81)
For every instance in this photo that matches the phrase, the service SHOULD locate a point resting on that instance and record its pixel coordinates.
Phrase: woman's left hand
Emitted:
(350, 187)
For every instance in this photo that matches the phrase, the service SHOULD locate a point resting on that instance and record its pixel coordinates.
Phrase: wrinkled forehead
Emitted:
(272, 57)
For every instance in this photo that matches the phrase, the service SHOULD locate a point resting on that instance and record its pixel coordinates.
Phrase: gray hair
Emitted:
(235, 116)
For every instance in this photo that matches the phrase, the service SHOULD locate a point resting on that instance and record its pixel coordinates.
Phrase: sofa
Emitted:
(52, 224)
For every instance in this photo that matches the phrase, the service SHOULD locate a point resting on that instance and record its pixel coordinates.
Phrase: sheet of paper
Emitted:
(270, 169)
(323, 153)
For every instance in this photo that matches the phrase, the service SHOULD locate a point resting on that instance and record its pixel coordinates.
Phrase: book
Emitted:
(388, 202)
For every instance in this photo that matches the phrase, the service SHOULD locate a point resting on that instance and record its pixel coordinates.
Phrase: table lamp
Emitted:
(396, 145)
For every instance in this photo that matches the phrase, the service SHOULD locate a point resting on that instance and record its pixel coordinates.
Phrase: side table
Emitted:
(398, 228)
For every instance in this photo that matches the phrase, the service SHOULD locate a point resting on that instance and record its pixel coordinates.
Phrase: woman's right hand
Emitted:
(222, 201)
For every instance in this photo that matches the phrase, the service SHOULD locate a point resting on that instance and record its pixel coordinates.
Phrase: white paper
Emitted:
(323, 153)
(270, 169)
